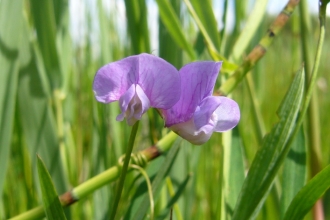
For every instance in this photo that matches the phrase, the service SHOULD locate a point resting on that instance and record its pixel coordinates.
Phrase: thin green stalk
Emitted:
(58, 98)
(151, 198)
(96, 182)
(224, 21)
(306, 105)
(35, 213)
(313, 76)
(317, 211)
(164, 144)
(313, 112)
(214, 52)
(124, 170)
(314, 73)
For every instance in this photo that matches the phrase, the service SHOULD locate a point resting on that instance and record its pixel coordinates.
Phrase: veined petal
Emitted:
(197, 82)
(227, 115)
(187, 131)
(112, 80)
(159, 80)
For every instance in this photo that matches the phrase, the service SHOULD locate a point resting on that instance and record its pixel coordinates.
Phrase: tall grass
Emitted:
(47, 108)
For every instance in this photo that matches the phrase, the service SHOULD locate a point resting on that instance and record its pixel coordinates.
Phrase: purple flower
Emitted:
(198, 114)
(138, 82)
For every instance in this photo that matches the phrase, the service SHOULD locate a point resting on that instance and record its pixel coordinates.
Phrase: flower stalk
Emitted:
(124, 169)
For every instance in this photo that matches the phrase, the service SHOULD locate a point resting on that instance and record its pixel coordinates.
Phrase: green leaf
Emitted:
(172, 23)
(11, 17)
(295, 171)
(51, 202)
(270, 157)
(308, 195)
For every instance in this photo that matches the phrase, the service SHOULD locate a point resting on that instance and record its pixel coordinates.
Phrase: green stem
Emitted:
(151, 197)
(314, 74)
(313, 111)
(124, 170)
(313, 77)
(96, 182)
(165, 143)
(100, 180)
(35, 213)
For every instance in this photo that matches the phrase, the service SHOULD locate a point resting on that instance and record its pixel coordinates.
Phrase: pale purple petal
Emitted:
(124, 102)
(133, 104)
(159, 80)
(187, 131)
(144, 103)
(203, 117)
(112, 80)
(197, 82)
(227, 114)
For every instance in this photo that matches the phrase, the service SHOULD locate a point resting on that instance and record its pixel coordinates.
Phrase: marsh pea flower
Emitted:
(138, 82)
(198, 114)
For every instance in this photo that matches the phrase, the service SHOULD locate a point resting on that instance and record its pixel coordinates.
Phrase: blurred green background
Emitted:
(49, 53)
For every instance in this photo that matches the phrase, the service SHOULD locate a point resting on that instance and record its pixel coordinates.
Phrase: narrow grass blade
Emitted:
(205, 13)
(295, 171)
(308, 195)
(249, 30)
(172, 23)
(10, 35)
(51, 202)
(212, 48)
(270, 157)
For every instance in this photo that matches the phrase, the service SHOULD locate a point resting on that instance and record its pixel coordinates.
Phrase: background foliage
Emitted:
(47, 106)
